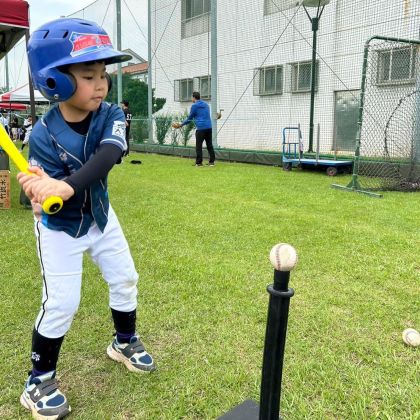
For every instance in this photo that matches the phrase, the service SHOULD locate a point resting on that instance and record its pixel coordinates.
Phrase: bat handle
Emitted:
(52, 205)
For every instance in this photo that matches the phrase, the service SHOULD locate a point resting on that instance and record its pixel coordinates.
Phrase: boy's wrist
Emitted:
(68, 190)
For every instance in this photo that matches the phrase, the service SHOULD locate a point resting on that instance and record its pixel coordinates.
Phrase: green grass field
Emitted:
(200, 238)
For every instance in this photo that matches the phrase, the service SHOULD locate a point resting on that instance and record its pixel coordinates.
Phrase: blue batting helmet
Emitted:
(63, 42)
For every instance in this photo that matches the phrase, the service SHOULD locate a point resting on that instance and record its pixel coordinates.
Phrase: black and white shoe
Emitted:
(42, 396)
(132, 354)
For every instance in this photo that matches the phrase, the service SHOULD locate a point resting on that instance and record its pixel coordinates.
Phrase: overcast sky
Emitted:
(41, 11)
(133, 16)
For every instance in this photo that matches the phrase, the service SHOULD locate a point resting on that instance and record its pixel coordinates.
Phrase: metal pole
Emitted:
(275, 341)
(317, 142)
(213, 23)
(315, 25)
(300, 142)
(119, 72)
(417, 129)
(149, 72)
(354, 183)
(31, 87)
(6, 65)
(23, 199)
(417, 132)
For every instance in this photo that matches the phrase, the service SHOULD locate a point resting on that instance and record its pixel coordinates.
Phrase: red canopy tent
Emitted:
(22, 95)
(14, 21)
(11, 106)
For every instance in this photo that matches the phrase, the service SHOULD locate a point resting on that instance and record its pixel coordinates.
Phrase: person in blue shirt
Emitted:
(200, 114)
(72, 149)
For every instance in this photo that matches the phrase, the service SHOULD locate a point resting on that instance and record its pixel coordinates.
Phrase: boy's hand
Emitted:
(47, 187)
(39, 188)
(26, 181)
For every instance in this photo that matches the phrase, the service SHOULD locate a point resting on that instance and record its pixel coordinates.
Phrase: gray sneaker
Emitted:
(132, 354)
(42, 396)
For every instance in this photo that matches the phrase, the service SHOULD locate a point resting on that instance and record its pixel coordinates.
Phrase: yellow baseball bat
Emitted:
(52, 204)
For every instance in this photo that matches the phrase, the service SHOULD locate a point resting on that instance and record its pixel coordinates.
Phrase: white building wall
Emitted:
(246, 36)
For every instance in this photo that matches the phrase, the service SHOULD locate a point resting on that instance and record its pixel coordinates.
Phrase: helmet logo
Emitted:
(87, 43)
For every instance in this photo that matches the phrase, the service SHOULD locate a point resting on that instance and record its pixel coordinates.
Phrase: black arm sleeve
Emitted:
(96, 168)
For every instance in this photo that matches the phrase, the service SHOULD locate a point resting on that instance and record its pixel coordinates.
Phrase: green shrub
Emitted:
(139, 130)
(186, 130)
(176, 135)
(163, 122)
(186, 133)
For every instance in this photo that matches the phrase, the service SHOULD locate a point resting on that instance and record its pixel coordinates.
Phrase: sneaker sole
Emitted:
(31, 407)
(118, 357)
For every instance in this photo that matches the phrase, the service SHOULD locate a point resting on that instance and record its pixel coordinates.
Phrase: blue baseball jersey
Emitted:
(200, 114)
(60, 151)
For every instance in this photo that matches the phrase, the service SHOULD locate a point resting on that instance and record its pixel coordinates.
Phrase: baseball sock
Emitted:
(125, 325)
(45, 353)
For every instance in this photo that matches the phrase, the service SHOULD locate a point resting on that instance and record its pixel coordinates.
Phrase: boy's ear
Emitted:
(56, 85)
(109, 80)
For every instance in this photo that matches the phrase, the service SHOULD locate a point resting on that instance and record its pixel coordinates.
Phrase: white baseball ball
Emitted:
(411, 337)
(283, 257)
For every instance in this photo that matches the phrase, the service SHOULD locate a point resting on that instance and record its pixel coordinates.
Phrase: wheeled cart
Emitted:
(292, 156)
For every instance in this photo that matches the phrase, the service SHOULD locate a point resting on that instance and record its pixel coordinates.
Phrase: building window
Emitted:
(269, 81)
(203, 85)
(183, 90)
(301, 76)
(396, 66)
(274, 6)
(195, 17)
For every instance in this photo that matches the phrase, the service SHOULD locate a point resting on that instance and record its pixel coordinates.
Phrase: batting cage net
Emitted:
(268, 65)
(388, 156)
(265, 62)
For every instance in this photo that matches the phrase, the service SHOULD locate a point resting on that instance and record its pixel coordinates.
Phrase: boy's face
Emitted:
(92, 86)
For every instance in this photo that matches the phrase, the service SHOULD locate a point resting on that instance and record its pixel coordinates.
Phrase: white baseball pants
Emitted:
(61, 258)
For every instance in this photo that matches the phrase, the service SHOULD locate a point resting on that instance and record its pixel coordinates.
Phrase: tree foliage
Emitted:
(136, 93)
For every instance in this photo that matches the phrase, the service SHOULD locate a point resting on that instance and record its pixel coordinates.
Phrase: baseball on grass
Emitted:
(283, 257)
(411, 337)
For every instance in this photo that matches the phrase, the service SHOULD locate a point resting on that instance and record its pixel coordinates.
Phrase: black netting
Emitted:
(390, 132)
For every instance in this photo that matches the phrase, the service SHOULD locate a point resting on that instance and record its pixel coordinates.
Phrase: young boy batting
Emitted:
(72, 149)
